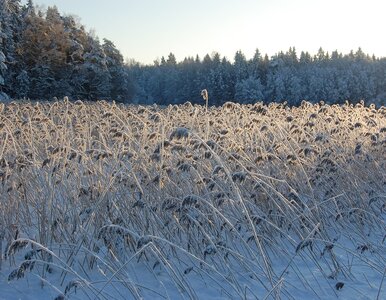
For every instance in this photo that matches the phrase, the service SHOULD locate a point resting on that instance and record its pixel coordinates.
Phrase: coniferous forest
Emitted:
(44, 54)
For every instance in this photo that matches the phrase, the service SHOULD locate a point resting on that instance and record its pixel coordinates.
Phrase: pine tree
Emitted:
(23, 85)
(92, 80)
(121, 87)
(255, 63)
(171, 61)
(249, 90)
(240, 67)
(10, 23)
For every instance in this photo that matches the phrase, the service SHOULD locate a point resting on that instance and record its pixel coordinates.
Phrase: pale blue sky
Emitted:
(147, 29)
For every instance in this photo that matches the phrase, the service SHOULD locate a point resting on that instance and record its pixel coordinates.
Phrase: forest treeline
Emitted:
(44, 54)
(286, 76)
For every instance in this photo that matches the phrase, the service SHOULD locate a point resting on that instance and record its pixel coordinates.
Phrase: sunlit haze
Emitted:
(148, 29)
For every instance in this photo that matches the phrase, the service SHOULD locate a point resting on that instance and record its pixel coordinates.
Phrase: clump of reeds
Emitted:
(218, 194)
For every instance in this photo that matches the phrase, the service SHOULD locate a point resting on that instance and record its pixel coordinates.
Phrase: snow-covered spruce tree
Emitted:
(249, 90)
(170, 81)
(216, 82)
(9, 30)
(121, 87)
(23, 85)
(93, 80)
(240, 67)
(43, 50)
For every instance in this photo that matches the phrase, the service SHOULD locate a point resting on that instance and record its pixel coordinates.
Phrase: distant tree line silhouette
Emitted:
(285, 76)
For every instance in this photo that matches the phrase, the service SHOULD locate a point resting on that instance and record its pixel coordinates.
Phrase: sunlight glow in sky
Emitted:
(148, 29)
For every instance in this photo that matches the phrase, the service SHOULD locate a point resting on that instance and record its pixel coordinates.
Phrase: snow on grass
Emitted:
(105, 201)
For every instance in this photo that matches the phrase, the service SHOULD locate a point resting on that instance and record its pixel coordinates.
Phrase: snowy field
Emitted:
(105, 201)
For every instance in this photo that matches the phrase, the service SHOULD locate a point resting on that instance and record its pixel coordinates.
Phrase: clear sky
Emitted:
(148, 29)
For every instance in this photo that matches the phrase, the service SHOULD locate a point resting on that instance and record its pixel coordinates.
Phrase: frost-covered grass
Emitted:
(103, 201)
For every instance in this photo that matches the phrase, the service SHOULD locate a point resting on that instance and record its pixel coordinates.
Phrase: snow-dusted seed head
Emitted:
(179, 133)
(204, 94)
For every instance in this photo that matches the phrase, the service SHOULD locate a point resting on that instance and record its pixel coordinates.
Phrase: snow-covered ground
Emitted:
(303, 274)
